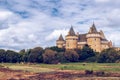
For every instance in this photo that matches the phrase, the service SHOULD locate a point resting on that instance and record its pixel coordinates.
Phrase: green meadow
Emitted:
(107, 67)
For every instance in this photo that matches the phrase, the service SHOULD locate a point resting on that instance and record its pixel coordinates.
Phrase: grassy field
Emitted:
(107, 67)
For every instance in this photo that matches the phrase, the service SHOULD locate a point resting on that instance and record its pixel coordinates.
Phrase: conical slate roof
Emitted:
(102, 34)
(93, 29)
(61, 38)
(71, 32)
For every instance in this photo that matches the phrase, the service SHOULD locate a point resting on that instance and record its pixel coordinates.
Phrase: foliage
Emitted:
(91, 59)
(108, 56)
(61, 57)
(71, 56)
(54, 55)
(2, 55)
(12, 56)
(50, 56)
(55, 48)
(35, 55)
(86, 52)
(24, 55)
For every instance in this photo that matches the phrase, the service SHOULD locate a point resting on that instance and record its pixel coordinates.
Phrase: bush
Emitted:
(100, 73)
(88, 72)
(91, 59)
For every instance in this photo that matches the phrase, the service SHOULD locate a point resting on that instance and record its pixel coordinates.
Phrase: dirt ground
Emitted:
(7, 74)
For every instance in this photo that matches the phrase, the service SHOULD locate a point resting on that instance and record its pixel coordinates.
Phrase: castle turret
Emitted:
(60, 42)
(71, 39)
(93, 29)
(94, 39)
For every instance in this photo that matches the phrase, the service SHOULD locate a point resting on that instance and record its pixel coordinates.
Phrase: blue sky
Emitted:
(30, 23)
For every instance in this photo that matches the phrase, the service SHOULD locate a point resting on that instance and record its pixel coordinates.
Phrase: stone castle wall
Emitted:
(71, 42)
(96, 40)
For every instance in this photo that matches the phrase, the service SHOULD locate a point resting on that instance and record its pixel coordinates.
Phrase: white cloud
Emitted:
(4, 14)
(114, 37)
(33, 23)
(102, 0)
(55, 34)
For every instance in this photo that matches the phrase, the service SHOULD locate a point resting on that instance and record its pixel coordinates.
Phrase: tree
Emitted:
(108, 56)
(2, 55)
(12, 56)
(79, 51)
(24, 55)
(118, 60)
(55, 48)
(50, 56)
(36, 55)
(86, 52)
(61, 57)
(71, 56)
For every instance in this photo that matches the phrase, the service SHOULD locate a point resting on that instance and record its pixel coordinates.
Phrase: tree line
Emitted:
(55, 55)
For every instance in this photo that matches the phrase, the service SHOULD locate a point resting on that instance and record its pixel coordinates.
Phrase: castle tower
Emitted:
(60, 42)
(94, 39)
(71, 39)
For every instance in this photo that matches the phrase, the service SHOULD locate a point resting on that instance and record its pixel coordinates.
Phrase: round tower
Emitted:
(94, 39)
(60, 42)
(71, 39)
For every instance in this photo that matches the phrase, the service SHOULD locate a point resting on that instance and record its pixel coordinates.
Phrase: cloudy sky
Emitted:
(30, 23)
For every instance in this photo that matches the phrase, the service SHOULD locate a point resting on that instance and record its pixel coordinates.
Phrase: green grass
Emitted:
(108, 67)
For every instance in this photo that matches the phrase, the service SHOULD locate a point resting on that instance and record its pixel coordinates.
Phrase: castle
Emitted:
(95, 39)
